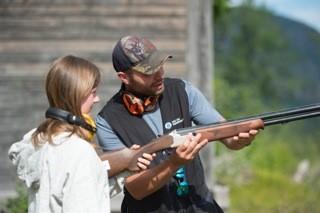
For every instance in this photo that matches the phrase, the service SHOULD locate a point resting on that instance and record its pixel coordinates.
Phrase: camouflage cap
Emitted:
(139, 54)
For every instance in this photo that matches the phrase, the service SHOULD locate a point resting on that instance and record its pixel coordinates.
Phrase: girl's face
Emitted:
(89, 101)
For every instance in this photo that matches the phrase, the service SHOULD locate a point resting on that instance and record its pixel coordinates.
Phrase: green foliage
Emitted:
(273, 154)
(274, 192)
(18, 204)
(236, 103)
(255, 73)
(261, 176)
(219, 8)
(253, 55)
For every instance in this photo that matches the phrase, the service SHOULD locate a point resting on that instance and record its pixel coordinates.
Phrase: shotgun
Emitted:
(127, 158)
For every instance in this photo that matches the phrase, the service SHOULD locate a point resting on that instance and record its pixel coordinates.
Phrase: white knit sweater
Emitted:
(65, 177)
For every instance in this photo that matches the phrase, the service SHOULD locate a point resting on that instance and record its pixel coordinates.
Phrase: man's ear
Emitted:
(123, 77)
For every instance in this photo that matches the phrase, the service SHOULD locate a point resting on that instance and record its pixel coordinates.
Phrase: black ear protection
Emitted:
(62, 115)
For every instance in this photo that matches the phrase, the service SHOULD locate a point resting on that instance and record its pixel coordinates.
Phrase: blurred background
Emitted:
(248, 57)
(267, 58)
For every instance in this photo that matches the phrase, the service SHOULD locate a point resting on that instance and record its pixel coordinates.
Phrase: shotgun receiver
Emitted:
(127, 158)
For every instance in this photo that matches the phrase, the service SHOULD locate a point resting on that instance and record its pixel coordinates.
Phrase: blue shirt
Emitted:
(201, 112)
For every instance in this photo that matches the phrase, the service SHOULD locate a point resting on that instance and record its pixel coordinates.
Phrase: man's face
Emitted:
(142, 84)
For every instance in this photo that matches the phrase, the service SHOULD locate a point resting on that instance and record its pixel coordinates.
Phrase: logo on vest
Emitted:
(170, 124)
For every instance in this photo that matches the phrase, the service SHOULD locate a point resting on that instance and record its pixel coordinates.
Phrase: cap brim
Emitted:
(152, 64)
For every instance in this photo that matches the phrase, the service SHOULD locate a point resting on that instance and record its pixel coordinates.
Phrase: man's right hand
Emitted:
(188, 150)
(148, 181)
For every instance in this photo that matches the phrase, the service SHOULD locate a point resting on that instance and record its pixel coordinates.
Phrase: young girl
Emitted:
(61, 169)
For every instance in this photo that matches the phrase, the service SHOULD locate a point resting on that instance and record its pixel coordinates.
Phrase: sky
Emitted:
(305, 11)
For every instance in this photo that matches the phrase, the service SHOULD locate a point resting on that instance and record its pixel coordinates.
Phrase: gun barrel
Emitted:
(271, 118)
(295, 117)
(291, 112)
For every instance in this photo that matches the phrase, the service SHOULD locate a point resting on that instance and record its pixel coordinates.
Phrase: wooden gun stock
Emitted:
(228, 130)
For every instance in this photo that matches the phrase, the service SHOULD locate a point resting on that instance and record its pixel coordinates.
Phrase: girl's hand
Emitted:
(145, 160)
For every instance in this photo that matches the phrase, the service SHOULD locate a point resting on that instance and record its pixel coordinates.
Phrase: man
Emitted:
(147, 106)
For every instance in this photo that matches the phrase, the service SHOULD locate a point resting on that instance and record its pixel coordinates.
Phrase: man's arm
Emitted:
(147, 182)
(202, 112)
(200, 109)
(107, 139)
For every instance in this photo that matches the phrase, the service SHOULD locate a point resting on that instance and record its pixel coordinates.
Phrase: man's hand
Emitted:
(242, 140)
(145, 160)
(188, 150)
(148, 181)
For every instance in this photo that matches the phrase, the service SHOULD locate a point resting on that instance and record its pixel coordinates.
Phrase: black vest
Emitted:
(131, 130)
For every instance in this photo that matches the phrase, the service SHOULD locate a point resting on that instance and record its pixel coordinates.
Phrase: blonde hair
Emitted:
(69, 81)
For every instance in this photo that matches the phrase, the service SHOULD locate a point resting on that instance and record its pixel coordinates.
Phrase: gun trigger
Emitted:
(177, 139)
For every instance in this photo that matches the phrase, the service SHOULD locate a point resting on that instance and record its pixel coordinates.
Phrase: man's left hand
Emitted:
(242, 140)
